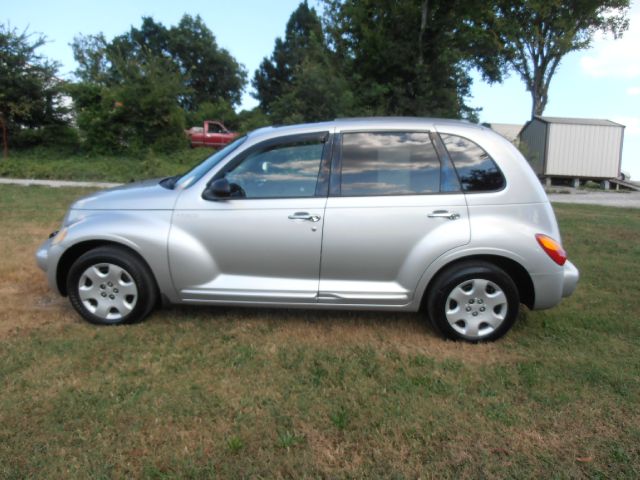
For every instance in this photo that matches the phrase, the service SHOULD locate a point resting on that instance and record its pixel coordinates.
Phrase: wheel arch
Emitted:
(77, 250)
(515, 270)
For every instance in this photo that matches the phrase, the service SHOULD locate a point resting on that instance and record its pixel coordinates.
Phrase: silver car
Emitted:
(398, 214)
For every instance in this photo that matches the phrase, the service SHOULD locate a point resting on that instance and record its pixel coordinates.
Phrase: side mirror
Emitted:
(217, 190)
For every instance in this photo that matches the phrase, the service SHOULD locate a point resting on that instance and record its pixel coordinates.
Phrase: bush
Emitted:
(62, 136)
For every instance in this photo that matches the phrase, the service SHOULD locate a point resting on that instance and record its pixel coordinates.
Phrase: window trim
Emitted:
(323, 137)
(476, 192)
(335, 187)
(445, 158)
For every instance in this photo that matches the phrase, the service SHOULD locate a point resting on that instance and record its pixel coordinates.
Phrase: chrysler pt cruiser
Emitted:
(397, 214)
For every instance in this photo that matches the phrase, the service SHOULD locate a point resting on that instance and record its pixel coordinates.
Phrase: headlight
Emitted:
(59, 236)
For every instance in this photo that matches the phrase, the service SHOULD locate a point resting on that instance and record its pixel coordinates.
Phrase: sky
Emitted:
(602, 82)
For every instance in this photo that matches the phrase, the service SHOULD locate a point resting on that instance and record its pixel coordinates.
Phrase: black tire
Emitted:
(463, 276)
(135, 272)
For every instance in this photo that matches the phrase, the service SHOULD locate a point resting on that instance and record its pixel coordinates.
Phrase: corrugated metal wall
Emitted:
(584, 150)
(532, 140)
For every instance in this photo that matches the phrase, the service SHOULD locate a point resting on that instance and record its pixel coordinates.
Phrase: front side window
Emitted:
(476, 169)
(389, 163)
(282, 171)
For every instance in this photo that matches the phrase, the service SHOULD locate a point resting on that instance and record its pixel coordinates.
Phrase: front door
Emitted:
(261, 245)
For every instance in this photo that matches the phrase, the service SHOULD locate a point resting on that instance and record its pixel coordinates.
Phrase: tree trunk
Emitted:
(538, 102)
(5, 138)
(423, 28)
(534, 105)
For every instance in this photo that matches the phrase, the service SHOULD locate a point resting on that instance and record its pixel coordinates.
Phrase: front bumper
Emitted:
(47, 258)
(42, 254)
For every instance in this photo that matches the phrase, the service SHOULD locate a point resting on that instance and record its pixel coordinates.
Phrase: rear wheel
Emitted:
(473, 301)
(111, 286)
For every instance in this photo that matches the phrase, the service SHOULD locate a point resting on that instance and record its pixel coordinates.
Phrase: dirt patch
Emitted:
(27, 303)
(404, 333)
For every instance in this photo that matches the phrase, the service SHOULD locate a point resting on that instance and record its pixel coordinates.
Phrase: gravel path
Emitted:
(609, 199)
(55, 183)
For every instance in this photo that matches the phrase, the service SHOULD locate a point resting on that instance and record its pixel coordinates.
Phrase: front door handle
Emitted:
(304, 216)
(444, 214)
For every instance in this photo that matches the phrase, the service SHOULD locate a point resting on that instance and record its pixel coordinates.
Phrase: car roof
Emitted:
(363, 123)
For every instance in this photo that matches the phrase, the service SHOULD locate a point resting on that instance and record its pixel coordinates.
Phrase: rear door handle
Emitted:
(304, 216)
(444, 214)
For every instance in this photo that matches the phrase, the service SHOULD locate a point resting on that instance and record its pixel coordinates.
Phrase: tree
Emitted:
(317, 92)
(300, 81)
(537, 34)
(135, 90)
(412, 57)
(131, 104)
(209, 73)
(28, 85)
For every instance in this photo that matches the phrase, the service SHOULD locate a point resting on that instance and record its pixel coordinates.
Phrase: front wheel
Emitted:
(473, 301)
(111, 286)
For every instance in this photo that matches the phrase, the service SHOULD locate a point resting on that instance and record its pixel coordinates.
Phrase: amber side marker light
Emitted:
(552, 248)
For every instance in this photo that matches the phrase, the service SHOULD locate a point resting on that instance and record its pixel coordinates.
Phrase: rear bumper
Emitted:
(571, 275)
(551, 288)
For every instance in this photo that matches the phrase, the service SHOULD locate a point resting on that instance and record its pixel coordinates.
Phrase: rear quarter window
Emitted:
(476, 169)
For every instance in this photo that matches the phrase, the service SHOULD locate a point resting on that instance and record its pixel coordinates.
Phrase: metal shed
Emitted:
(510, 131)
(578, 148)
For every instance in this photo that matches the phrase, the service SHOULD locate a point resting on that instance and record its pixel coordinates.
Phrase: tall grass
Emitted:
(47, 163)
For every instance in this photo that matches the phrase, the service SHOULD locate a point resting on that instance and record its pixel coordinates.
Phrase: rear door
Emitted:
(394, 207)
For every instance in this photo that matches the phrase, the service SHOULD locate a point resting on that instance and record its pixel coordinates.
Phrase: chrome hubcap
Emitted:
(108, 291)
(476, 308)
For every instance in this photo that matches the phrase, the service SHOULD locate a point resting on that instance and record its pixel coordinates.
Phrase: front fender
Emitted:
(145, 232)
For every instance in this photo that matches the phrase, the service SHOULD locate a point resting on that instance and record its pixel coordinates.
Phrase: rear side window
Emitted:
(389, 163)
(476, 169)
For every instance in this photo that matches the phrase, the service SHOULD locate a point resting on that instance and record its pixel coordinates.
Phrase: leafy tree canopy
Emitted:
(138, 108)
(300, 82)
(413, 57)
(29, 89)
(537, 34)
(208, 73)
(135, 90)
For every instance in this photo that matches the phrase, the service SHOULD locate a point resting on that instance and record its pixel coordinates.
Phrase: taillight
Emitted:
(552, 248)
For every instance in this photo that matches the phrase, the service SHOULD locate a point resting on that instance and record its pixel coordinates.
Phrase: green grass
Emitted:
(45, 163)
(233, 393)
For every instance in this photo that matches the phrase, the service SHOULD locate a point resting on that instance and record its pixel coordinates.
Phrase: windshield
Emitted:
(201, 169)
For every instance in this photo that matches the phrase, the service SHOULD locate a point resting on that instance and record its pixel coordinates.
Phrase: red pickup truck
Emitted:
(211, 134)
